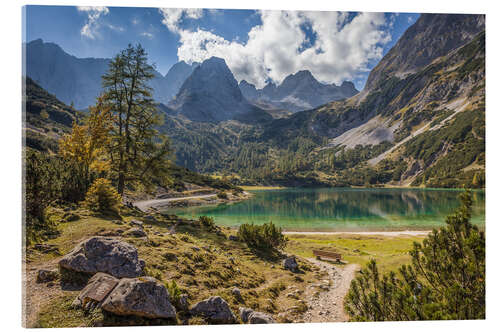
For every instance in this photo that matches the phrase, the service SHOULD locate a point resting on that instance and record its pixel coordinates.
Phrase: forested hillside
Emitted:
(423, 127)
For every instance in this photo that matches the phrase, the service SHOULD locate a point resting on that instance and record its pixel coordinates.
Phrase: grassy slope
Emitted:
(199, 261)
(183, 258)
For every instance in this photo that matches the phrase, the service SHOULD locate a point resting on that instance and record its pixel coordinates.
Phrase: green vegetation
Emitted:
(197, 261)
(389, 251)
(102, 196)
(48, 179)
(459, 144)
(262, 237)
(445, 280)
(137, 151)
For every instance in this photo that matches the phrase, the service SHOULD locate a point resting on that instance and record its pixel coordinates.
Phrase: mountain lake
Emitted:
(343, 209)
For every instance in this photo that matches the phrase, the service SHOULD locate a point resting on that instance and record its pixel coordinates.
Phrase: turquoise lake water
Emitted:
(343, 209)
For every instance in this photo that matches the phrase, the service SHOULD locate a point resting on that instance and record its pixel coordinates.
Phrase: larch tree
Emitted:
(137, 151)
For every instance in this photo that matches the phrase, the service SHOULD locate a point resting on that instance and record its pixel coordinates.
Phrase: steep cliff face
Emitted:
(211, 94)
(431, 37)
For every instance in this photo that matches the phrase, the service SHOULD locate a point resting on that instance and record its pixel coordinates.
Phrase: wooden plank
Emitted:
(327, 254)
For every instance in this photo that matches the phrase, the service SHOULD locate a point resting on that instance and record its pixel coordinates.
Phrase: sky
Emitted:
(258, 46)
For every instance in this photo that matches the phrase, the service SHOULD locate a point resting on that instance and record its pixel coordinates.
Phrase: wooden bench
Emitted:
(327, 254)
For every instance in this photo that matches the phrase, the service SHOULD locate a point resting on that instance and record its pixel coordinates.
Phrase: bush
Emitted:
(262, 237)
(48, 179)
(102, 196)
(207, 221)
(174, 292)
(222, 195)
(445, 280)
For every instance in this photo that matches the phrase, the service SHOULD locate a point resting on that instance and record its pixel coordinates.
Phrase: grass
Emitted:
(389, 251)
(202, 261)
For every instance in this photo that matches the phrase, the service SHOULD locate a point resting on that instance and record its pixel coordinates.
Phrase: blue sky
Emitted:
(279, 43)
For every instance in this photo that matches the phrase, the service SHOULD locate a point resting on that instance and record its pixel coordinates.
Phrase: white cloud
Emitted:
(89, 30)
(172, 17)
(116, 28)
(341, 49)
(147, 35)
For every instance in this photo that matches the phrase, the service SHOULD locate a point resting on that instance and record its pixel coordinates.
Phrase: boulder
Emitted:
(135, 223)
(143, 297)
(215, 310)
(260, 318)
(96, 290)
(291, 264)
(136, 232)
(245, 313)
(44, 275)
(102, 254)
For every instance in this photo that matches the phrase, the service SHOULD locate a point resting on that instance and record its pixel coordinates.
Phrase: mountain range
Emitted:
(78, 81)
(419, 121)
(298, 92)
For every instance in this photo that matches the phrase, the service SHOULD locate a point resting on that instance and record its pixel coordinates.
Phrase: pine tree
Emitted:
(137, 150)
(445, 280)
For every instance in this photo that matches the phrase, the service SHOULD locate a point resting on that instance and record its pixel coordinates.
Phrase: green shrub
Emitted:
(48, 179)
(102, 196)
(174, 292)
(445, 280)
(207, 221)
(222, 195)
(262, 237)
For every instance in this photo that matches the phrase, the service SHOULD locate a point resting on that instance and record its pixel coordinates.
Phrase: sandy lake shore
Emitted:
(366, 233)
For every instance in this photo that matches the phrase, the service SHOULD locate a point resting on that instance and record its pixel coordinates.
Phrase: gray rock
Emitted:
(237, 294)
(136, 232)
(136, 223)
(150, 218)
(291, 264)
(260, 318)
(101, 254)
(215, 309)
(143, 297)
(183, 302)
(44, 275)
(233, 238)
(100, 283)
(245, 313)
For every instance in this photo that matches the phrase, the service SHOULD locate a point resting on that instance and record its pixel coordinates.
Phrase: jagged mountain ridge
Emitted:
(297, 92)
(211, 94)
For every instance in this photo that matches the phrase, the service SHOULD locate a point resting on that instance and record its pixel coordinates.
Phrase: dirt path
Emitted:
(37, 294)
(144, 205)
(328, 305)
